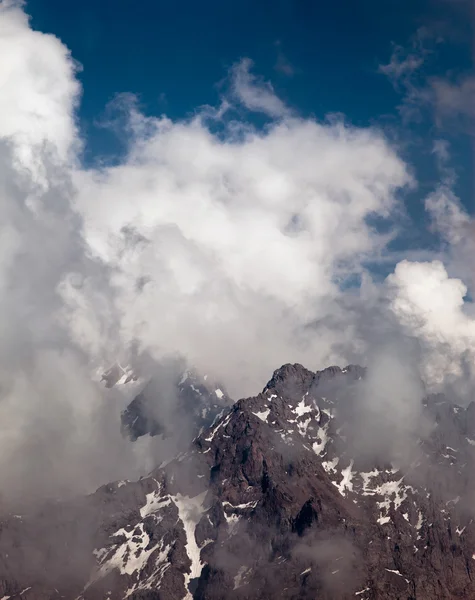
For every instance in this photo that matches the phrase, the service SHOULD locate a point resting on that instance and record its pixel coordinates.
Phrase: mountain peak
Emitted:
(270, 500)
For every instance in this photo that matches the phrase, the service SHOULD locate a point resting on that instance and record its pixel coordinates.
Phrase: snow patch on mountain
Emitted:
(190, 511)
(346, 481)
(262, 415)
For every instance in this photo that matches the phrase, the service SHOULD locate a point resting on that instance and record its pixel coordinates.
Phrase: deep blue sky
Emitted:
(173, 55)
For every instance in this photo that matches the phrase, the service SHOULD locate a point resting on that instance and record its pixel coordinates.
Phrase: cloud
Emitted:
(405, 71)
(53, 415)
(405, 62)
(37, 84)
(430, 307)
(256, 95)
(235, 239)
(448, 215)
(322, 551)
(450, 221)
(237, 249)
(453, 98)
(449, 218)
(447, 98)
(401, 65)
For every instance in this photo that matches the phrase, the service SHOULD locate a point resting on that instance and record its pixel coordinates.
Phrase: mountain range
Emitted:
(295, 493)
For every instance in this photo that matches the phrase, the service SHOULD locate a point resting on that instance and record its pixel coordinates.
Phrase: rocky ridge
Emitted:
(269, 501)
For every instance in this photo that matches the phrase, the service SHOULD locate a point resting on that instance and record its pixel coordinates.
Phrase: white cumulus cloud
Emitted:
(236, 250)
(430, 306)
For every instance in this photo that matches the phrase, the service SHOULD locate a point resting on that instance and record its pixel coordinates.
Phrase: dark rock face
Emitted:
(268, 502)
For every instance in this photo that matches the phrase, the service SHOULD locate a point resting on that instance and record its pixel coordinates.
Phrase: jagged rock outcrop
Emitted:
(270, 501)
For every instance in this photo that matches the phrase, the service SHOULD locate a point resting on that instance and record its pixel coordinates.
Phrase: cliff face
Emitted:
(270, 501)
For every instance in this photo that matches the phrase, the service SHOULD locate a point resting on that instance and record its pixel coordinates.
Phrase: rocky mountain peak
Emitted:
(269, 500)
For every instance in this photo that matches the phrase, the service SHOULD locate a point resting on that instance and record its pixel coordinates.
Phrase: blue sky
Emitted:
(320, 56)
